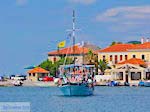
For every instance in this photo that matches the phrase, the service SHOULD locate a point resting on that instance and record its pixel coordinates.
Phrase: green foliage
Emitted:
(53, 67)
(91, 57)
(103, 65)
(114, 42)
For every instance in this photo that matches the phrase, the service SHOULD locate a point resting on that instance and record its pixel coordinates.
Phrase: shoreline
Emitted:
(28, 83)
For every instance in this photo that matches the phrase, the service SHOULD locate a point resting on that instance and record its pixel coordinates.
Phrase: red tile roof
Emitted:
(146, 45)
(126, 47)
(134, 61)
(69, 50)
(38, 70)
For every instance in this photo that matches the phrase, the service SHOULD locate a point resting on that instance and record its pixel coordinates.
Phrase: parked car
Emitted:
(18, 77)
(47, 78)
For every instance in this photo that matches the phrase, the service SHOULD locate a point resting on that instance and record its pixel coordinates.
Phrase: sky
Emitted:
(29, 29)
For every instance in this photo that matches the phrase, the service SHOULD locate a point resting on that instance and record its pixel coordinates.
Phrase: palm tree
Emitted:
(103, 65)
(92, 59)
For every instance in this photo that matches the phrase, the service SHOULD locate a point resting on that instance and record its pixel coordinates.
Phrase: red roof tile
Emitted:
(134, 61)
(117, 48)
(69, 50)
(125, 47)
(38, 70)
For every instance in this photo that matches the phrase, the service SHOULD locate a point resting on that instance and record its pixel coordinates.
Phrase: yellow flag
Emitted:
(61, 44)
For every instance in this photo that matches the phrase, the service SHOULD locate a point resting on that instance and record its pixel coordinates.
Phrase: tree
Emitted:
(92, 59)
(46, 65)
(114, 42)
(103, 65)
(53, 67)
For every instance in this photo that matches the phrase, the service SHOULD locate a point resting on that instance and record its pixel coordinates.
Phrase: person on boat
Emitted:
(60, 81)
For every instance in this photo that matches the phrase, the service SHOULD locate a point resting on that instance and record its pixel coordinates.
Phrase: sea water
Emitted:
(105, 99)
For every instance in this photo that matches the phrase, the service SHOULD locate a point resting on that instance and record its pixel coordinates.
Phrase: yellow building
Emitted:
(128, 62)
(121, 52)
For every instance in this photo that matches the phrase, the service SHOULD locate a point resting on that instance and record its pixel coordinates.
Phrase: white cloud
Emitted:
(85, 2)
(125, 13)
(126, 18)
(21, 2)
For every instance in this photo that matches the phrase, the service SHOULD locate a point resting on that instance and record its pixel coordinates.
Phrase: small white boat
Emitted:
(17, 83)
(147, 83)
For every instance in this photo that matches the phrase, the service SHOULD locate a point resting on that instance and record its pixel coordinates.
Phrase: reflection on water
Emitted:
(105, 99)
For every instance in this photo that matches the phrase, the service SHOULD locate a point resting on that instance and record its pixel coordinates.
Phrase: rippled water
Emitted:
(105, 99)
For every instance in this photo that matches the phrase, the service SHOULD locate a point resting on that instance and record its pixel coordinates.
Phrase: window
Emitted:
(29, 74)
(120, 76)
(148, 75)
(135, 76)
(120, 57)
(116, 58)
(110, 57)
(43, 74)
(104, 57)
(143, 57)
(126, 57)
(134, 56)
(54, 59)
(33, 74)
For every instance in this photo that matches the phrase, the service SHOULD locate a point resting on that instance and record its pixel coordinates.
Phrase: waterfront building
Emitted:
(80, 53)
(36, 73)
(131, 71)
(121, 52)
(128, 62)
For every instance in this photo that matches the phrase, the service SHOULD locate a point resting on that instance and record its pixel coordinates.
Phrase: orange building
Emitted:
(78, 51)
(37, 73)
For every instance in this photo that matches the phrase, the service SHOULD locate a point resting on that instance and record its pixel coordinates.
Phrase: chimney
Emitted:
(142, 40)
(82, 43)
(147, 40)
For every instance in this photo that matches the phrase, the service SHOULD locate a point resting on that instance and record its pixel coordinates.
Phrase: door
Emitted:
(127, 78)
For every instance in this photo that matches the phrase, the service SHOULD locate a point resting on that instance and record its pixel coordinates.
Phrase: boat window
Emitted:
(135, 75)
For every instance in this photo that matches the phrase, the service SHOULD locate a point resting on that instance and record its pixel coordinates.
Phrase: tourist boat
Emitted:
(84, 87)
(79, 88)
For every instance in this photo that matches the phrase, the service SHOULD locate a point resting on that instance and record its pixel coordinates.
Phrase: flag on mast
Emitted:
(61, 44)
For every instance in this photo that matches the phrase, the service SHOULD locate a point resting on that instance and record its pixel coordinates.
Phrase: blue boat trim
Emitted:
(77, 90)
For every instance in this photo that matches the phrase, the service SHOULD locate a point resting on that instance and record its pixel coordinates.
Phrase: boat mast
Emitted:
(73, 34)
